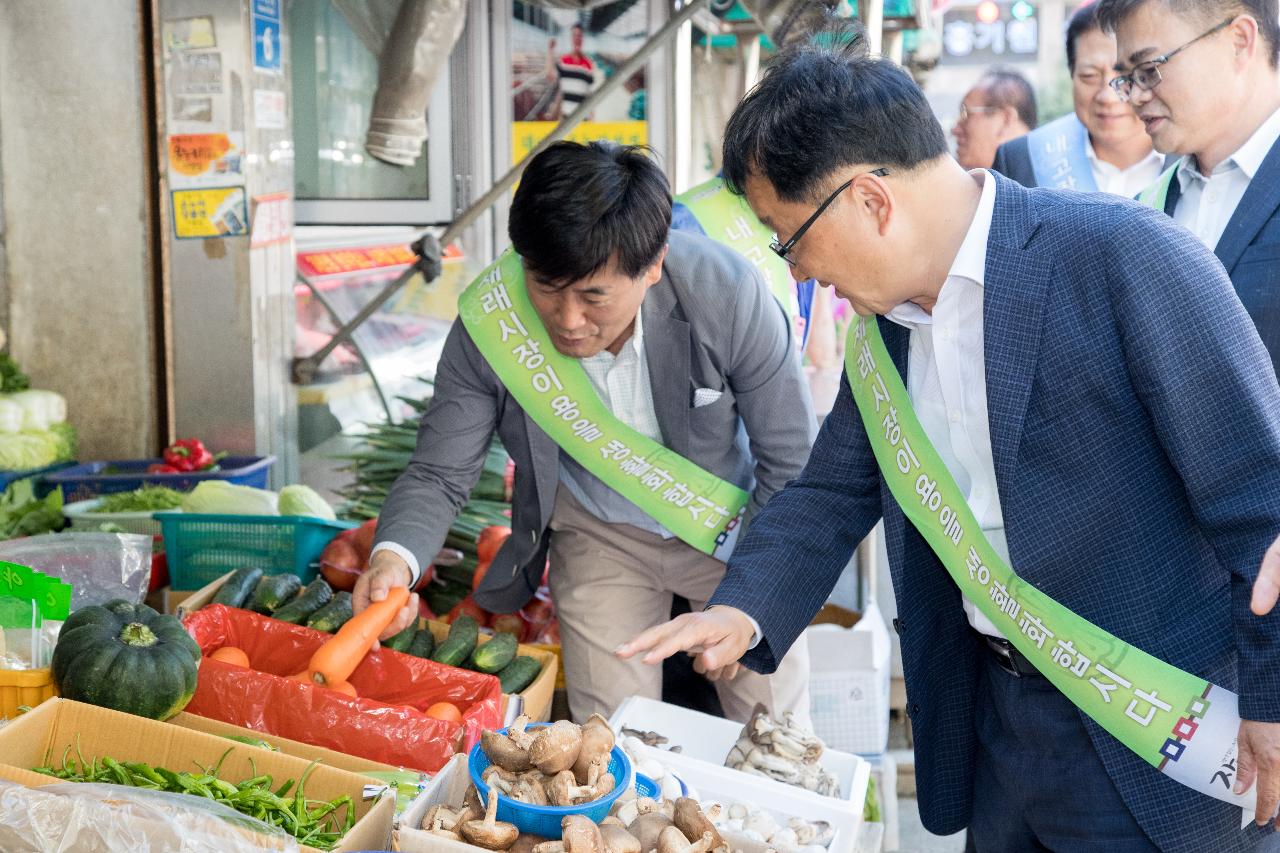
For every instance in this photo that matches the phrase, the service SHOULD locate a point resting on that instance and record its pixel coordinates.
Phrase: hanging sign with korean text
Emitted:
(1179, 723)
(698, 507)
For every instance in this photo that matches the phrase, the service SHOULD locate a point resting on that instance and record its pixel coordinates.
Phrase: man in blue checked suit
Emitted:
(1088, 375)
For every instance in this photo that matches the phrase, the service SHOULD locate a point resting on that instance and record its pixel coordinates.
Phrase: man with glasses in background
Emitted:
(1101, 146)
(1202, 76)
(1001, 106)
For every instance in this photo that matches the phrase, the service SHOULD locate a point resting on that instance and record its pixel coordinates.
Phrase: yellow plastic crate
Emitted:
(24, 687)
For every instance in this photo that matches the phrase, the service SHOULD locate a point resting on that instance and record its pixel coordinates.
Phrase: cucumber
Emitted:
(272, 592)
(333, 615)
(235, 590)
(400, 642)
(461, 642)
(317, 594)
(424, 642)
(519, 674)
(495, 654)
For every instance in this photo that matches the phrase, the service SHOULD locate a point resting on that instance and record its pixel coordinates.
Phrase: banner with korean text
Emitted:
(698, 507)
(1181, 724)
(728, 220)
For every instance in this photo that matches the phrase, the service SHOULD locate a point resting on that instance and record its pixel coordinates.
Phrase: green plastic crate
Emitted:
(201, 548)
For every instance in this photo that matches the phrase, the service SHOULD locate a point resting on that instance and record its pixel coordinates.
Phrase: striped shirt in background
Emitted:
(577, 77)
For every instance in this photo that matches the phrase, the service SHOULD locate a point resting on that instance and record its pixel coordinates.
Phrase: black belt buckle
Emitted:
(1004, 653)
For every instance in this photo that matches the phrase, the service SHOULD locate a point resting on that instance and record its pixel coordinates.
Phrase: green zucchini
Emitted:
(492, 656)
(400, 642)
(235, 590)
(317, 594)
(519, 674)
(333, 615)
(273, 591)
(424, 643)
(461, 642)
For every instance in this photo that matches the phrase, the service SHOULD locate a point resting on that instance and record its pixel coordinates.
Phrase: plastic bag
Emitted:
(99, 566)
(92, 818)
(387, 723)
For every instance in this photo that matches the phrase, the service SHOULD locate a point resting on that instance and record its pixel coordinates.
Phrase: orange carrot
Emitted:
(338, 657)
(344, 687)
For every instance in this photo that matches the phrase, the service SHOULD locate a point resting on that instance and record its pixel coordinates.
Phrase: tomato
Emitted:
(469, 607)
(445, 711)
(481, 571)
(489, 541)
(231, 655)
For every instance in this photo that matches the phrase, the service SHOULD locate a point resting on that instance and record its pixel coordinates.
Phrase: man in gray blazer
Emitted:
(682, 341)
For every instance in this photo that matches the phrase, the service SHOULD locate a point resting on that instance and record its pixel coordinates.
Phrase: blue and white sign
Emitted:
(266, 36)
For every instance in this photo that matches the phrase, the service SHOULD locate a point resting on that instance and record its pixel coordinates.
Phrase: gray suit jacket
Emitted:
(710, 322)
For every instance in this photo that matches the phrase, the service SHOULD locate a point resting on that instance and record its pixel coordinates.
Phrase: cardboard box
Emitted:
(537, 697)
(42, 735)
(849, 679)
(297, 749)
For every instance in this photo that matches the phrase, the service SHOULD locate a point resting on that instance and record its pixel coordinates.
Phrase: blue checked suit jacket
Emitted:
(1135, 426)
(1250, 248)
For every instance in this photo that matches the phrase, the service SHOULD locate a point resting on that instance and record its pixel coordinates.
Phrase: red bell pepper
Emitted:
(161, 468)
(189, 454)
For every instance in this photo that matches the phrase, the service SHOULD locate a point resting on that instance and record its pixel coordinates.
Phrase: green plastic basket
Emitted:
(201, 548)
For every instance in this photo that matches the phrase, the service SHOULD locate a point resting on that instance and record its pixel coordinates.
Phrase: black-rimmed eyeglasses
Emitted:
(1146, 75)
(784, 249)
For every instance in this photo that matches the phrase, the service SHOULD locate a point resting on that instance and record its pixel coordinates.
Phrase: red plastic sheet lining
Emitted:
(387, 723)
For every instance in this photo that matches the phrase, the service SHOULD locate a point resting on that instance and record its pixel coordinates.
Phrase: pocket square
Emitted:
(705, 397)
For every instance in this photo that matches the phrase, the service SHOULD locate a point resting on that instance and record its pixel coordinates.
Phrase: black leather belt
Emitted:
(1008, 658)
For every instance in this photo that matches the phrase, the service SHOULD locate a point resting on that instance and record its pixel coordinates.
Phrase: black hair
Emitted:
(1083, 21)
(1005, 87)
(581, 207)
(824, 106)
(1205, 12)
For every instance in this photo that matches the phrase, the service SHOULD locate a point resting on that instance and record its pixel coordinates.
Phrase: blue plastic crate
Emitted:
(82, 482)
(41, 486)
(200, 548)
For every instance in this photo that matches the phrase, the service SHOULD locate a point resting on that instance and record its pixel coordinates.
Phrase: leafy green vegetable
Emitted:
(24, 451)
(303, 500)
(11, 376)
(67, 441)
(145, 499)
(217, 497)
(21, 514)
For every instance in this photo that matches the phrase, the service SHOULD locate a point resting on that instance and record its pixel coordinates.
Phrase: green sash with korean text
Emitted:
(1181, 724)
(729, 221)
(698, 507)
(1158, 193)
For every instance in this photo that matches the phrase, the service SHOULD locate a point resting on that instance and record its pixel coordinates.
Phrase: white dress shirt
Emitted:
(1207, 202)
(946, 380)
(1124, 182)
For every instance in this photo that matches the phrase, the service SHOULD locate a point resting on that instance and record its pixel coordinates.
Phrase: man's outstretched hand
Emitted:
(717, 637)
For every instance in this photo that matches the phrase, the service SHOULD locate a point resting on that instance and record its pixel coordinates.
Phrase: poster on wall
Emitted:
(560, 56)
(205, 159)
(216, 212)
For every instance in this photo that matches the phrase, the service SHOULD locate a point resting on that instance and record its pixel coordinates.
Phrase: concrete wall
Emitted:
(75, 275)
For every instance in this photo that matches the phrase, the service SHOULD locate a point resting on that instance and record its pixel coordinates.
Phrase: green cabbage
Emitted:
(65, 436)
(40, 409)
(217, 497)
(303, 500)
(23, 451)
(10, 416)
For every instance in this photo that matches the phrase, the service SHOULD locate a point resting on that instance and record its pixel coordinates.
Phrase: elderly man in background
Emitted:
(1001, 106)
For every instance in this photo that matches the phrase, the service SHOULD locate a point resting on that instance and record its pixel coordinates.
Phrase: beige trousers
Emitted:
(612, 581)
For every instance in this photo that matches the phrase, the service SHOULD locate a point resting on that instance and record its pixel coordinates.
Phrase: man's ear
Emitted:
(654, 273)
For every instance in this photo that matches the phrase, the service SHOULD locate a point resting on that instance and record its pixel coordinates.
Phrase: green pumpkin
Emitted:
(127, 657)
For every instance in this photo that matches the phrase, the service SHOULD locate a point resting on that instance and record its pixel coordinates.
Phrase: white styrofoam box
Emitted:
(714, 783)
(707, 738)
(849, 683)
(446, 788)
